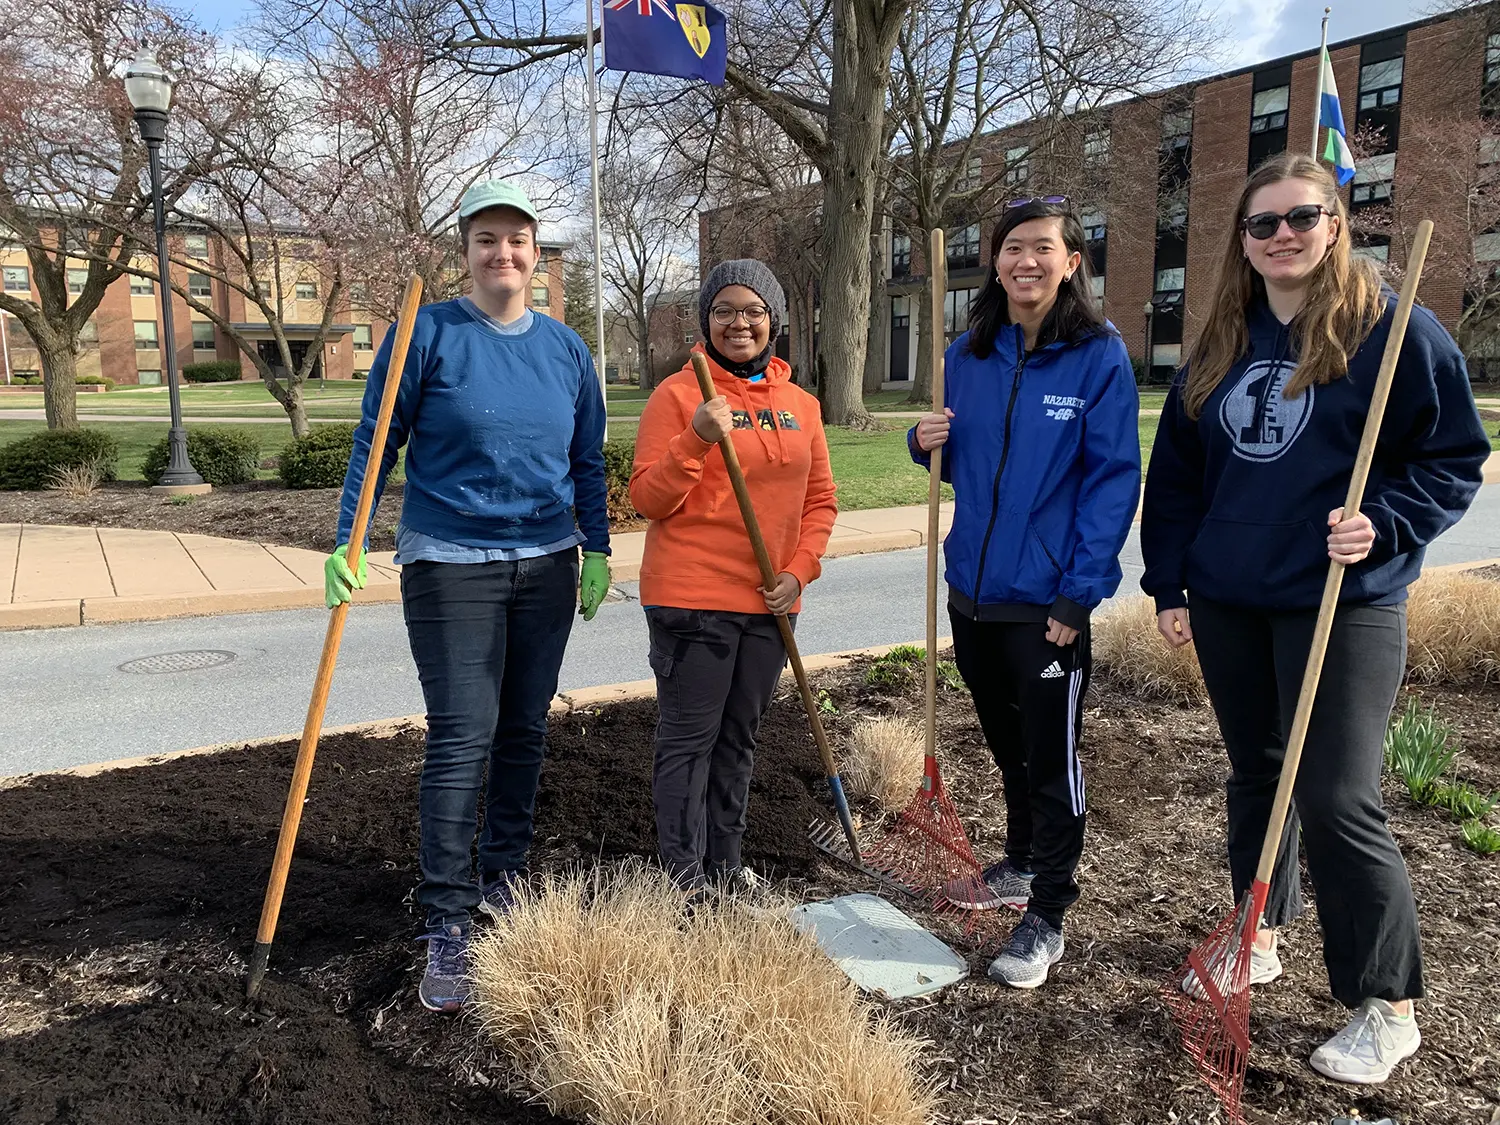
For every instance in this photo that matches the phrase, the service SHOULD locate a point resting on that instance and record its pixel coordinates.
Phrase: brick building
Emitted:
(1168, 168)
(123, 339)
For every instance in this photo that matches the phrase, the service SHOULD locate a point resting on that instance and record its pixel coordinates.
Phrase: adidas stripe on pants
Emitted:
(1028, 693)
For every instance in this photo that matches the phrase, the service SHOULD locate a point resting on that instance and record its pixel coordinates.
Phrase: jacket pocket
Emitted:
(1261, 564)
(1047, 552)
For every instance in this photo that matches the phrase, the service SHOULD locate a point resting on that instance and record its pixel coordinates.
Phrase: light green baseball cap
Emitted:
(495, 193)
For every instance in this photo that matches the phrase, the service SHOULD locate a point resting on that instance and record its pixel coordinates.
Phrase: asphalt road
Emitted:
(68, 701)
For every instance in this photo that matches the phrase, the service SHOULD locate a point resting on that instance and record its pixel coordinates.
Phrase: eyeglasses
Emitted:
(726, 314)
(1055, 200)
(1265, 225)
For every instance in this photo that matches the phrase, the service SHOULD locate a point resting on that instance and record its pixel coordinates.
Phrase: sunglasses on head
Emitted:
(1056, 200)
(1265, 225)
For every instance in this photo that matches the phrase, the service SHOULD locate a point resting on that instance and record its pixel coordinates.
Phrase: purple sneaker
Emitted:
(445, 984)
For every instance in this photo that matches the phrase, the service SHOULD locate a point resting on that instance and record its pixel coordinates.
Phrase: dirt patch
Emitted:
(261, 510)
(129, 900)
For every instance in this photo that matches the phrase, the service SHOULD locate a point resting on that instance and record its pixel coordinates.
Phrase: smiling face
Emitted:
(1032, 263)
(739, 341)
(502, 252)
(1288, 258)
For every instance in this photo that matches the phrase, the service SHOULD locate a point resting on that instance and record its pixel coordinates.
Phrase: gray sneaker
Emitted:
(445, 984)
(1370, 1046)
(1034, 948)
(498, 898)
(1001, 884)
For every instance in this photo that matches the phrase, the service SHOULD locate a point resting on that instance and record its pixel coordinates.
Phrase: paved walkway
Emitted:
(88, 575)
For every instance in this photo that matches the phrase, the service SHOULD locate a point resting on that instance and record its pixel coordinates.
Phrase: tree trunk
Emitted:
(643, 349)
(801, 357)
(927, 335)
(877, 362)
(59, 381)
(288, 392)
(296, 411)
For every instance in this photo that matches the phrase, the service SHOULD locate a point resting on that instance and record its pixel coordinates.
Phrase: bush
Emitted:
(619, 459)
(94, 381)
(1453, 629)
(1130, 654)
(361, 376)
(221, 455)
(1141, 371)
(318, 460)
(33, 462)
(32, 380)
(884, 761)
(214, 371)
(897, 668)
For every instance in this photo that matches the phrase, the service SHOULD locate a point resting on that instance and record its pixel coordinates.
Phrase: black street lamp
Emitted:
(1150, 316)
(149, 89)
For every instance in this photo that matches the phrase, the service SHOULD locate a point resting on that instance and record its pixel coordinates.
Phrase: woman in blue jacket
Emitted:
(1253, 455)
(1042, 448)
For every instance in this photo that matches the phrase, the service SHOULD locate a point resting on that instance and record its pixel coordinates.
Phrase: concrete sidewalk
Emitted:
(51, 576)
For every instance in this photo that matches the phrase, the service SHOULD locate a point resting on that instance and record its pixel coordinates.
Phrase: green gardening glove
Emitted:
(593, 583)
(338, 581)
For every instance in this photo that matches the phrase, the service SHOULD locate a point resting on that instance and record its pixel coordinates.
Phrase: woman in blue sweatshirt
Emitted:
(1253, 455)
(1041, 445)
(503, 423)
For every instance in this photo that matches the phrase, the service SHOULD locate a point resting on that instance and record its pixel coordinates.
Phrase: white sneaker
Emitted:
(1265, 966)
(1370, 1046)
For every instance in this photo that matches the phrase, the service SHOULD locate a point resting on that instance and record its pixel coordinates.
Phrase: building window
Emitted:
(1166, 355)
(1096, 281)
(1171, 280)
(1172, 213)
(1177, 127)
(203, 336)
(145, 334)
(9, 239)
(362, 338)
(307, 290)
(1270, 94)
(1094, 229)
(688, 337)
(196, 246)
(1489, 98)
(968, 180)
(541, 265)
(1096, 146)
(1381, 67)
(25, 373)
(1017, 166)
(17, 279)
(1268, 111)
(141, 286)
(148, 378)
(900, 255)
(900, 313)
(1373, 180)
(199, 285)
(540, 296)
(1381, 251)
(89, 333)
(77, 279)
(359, 294)
(963, 248)
(1096, 241)
(956, 310)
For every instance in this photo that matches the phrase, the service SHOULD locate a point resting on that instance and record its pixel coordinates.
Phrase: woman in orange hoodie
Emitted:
(715, 647)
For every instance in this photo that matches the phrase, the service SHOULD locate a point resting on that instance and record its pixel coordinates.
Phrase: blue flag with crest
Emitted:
(664, 37)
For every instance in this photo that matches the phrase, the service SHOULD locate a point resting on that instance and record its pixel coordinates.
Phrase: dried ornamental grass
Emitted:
(1453, 629)
(1131, 654)
(884, 761)
(618, 1011)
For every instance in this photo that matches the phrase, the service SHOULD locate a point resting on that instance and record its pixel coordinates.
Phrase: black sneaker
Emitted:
(1033, 949)
(741, 883)
(498, 898)
(445, 984)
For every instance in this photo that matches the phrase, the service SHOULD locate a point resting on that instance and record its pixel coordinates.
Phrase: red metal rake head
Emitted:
(926, 846)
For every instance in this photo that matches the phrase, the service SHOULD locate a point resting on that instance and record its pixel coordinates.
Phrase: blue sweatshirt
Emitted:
(1044, 456)
(1237, 502)
(504, 434)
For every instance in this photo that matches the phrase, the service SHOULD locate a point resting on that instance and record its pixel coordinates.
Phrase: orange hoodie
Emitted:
(698, 554)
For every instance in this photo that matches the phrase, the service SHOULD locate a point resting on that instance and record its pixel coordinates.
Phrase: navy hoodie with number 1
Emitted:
(1237, 500)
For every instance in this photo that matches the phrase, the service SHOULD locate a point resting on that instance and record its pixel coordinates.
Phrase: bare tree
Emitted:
(71, 181)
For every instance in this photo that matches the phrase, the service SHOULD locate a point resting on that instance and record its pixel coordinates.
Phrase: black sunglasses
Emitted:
(1056, 200)
(1265, 225)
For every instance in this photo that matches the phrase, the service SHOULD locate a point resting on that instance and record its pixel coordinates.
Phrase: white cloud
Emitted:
(1254, 25)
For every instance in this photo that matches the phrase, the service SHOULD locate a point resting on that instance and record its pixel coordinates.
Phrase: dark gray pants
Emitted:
(715, 675)
(1252, 666)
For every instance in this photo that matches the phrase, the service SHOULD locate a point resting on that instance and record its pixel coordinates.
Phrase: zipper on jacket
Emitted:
(1015, 389)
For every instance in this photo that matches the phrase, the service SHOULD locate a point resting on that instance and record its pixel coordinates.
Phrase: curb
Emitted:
(563, 703)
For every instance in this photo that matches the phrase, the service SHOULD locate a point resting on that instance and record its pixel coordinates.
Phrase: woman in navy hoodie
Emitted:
(1041, 445)
(1253, 455)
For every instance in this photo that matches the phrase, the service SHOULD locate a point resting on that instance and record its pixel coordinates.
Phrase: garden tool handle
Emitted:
(937, 271)
(1329, 605)
(768, 581)
(312, 727)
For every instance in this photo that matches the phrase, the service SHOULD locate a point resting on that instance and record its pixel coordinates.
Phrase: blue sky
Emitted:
(1261, 29)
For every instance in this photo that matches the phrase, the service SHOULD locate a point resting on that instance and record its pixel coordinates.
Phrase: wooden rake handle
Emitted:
(312, 727)
(768, 580)
(937, 270)
(1326, 609)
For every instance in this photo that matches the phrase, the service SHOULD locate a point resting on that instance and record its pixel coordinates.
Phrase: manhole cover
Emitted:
(193, 660)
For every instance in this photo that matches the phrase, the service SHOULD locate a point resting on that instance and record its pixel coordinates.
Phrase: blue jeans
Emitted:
(488, 641)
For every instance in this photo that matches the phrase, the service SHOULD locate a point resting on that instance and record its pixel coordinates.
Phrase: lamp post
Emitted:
(1150, 315)
(149, 89)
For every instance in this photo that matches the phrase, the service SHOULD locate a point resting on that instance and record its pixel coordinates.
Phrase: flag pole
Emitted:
(1318, 99)
(598, 238)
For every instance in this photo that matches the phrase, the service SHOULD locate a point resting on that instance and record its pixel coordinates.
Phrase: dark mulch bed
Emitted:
(129, 900)
(261, 510)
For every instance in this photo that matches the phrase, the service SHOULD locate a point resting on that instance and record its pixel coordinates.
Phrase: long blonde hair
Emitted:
(1342, 306)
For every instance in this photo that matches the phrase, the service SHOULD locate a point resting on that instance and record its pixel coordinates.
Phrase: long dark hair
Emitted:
(1074, 315)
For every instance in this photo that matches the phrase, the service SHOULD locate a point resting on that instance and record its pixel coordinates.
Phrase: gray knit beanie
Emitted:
(753, 275)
